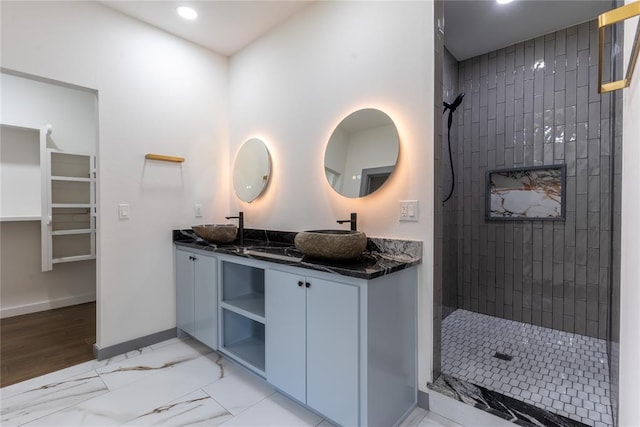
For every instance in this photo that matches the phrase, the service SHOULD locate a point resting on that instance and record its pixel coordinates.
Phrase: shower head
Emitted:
(451, 107)
(455, 104)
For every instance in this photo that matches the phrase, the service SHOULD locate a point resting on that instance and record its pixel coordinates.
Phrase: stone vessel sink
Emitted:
(331, 244)
(216, 233)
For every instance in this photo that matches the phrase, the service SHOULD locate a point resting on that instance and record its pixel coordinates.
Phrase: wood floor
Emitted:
(35, 344)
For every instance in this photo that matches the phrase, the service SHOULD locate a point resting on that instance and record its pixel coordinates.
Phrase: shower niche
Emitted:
(525, 194)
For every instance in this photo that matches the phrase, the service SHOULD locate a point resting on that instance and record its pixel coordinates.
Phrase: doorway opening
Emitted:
(48, 220)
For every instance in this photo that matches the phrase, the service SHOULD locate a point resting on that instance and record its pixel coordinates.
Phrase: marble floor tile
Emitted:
(414, 418)
(239, 390)
(49, 398)
(276, 410)
(43, 380)
(426, 422)
(422, 418)
(66, 373)
(194, 409)
(203, 389)
(137, 398)
(434, 420)
(170, 342)
(121, 372)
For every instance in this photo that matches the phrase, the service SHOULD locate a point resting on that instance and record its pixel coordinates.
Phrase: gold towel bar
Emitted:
(164, 158)
(609, 18)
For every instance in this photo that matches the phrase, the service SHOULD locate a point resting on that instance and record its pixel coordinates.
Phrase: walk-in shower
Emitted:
(527, 305)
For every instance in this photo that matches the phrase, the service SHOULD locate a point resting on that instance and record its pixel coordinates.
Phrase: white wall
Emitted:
(73, 115)
(20, 173)
(157, 94)
(72, 112)
(629, 400)
(294, 85)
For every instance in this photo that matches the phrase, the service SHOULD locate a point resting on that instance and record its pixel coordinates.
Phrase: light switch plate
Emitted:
(408, 210)
(123, 211)
(198, 210)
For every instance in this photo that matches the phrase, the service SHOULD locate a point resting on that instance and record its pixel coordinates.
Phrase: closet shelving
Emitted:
(70, 208)
(55, 187)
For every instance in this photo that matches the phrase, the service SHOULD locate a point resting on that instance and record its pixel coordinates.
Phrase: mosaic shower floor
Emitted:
(561, 372)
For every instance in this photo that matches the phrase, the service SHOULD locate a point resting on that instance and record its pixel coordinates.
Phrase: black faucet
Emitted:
(353, 221)
(240, 225)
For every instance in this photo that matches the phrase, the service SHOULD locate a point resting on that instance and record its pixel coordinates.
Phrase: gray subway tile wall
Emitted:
(531, 104)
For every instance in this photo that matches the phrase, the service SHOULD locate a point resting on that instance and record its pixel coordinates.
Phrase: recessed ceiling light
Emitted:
(186, 12)
(504, 1)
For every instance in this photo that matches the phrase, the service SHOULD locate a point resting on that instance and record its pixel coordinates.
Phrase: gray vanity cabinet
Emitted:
(343, 346)
(196, 295)
(311, 338)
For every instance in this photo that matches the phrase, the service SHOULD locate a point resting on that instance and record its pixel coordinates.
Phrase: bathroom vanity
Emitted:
(339, 338)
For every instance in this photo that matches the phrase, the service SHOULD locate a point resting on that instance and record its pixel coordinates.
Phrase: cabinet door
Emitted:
(205, 301)
(332, 350)
(285, 329)
(184, 291)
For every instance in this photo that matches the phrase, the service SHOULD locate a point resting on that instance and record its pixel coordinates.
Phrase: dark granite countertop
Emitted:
(381, 257)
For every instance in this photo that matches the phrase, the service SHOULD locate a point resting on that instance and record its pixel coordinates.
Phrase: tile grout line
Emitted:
(577, 405)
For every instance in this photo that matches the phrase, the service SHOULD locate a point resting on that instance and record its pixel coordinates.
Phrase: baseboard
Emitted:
(46, 305)
(124, 347)
(423, 400)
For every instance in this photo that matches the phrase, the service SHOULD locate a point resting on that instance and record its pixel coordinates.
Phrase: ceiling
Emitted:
(471, 27)
(222, 26)
(475, 27)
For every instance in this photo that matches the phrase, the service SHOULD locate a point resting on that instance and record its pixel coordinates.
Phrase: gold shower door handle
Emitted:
(609, 18)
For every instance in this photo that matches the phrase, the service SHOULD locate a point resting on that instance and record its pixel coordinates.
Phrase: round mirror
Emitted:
(251, 170)
(362, 153)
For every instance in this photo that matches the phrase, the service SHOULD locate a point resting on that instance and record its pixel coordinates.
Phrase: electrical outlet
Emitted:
(408, 210)
(198, 210)
(404, 210)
